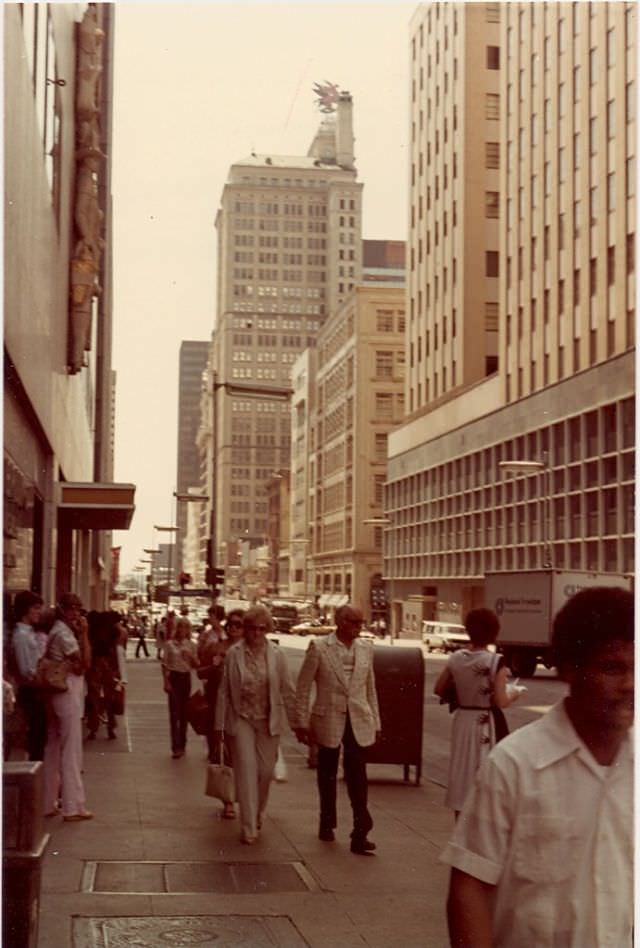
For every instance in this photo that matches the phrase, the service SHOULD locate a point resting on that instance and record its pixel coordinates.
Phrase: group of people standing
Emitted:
(86, 646)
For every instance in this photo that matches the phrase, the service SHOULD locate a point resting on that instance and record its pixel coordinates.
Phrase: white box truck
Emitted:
(526, 603)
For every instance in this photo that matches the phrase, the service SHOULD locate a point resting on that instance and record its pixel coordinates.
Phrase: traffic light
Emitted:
(378, 598)
(184, 579)
(214, 577)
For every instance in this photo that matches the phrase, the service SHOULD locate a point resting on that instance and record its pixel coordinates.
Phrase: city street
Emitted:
(544, 690)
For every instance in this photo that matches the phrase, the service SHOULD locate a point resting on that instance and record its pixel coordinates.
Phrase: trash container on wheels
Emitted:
(399, 674)
(23, 850)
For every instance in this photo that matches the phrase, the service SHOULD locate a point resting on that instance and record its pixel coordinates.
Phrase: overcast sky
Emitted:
(197, 87)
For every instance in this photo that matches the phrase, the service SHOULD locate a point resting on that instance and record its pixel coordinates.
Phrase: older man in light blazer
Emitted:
(345, 711)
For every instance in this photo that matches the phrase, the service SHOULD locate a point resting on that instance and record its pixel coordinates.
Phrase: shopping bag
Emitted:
(198, 714)
(220, 783)
(51, 674)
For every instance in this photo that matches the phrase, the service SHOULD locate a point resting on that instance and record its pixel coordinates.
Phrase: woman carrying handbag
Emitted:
(68, 641)
(213, 645)
(255, 698)
(480, 679)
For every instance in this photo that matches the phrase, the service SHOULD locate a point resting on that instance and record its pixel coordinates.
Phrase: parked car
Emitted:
(312, 627)
(447, 636)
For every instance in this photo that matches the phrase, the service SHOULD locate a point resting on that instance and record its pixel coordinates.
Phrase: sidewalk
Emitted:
(157, 866)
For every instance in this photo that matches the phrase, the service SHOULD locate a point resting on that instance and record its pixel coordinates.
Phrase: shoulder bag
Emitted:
(51, 673)
(198, 712)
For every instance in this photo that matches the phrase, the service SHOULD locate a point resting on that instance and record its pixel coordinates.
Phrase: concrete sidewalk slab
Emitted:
(150, 809)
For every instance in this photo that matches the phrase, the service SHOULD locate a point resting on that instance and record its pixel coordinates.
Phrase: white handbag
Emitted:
(220, 783)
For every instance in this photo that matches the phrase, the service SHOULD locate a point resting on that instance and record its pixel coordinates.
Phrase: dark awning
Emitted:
(94, 506)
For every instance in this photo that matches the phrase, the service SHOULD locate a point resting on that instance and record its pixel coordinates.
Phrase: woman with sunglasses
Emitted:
(256, 694)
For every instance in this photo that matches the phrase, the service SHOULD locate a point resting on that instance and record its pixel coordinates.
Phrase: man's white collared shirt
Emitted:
(552, 830)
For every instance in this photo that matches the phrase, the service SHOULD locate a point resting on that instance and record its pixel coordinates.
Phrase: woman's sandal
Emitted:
(229, 812)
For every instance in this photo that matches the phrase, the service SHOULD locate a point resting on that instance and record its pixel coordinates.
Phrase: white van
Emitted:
(447, 636)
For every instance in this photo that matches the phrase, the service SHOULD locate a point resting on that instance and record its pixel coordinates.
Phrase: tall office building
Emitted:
(563, 116)
(193, 360)
(454, 199)
(289, 252)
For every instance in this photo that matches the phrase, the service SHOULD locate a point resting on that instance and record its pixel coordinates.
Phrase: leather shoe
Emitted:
(326, 835)
(362, 847)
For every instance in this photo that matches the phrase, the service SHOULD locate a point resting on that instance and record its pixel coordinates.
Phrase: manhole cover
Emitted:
(148, 878)
(206, 931)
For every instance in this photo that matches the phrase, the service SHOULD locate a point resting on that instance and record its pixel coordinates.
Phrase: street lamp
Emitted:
(527, 467)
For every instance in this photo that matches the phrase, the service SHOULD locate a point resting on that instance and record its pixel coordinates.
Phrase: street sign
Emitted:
(190, 593)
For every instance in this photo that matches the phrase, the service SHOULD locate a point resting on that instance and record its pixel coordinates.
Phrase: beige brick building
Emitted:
(359, 398)
(289, 252)
(560, 198)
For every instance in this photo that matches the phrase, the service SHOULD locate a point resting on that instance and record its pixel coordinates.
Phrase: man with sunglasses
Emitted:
(345, 711)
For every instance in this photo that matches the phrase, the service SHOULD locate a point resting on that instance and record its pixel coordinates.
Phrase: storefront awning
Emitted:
(95, 506)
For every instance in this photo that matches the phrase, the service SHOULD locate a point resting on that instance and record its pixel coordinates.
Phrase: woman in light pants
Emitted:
(62, 766)
(255, 695)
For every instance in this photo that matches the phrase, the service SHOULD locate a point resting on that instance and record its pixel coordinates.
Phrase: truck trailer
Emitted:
(526, 603)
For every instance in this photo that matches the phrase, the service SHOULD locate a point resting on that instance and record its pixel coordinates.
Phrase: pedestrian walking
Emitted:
(213, 644)
(103, 672)
(68, 640)
(345, 712)
(480, 679)
(27, 647)
(255, 695)
(543, 851)
(141, 632)
(178, 658)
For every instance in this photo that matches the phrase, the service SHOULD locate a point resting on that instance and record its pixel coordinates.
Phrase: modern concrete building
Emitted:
(563, 114)
(452, 273)
(359, 398)
(193, 361)
(289, 253)
(59, 500)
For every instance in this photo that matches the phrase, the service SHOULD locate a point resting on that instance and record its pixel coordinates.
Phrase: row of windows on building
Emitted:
(260, 373)
(528, 21)
(614, 555)
(271, 207)
(290, 225)
(581, 439)
(312, 309)
(241, 355)
(272, 242)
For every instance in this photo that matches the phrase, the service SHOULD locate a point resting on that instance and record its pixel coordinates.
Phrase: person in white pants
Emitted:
(68, 640)
(255, 695)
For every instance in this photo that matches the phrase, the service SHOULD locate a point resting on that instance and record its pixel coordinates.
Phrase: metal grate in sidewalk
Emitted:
(205, 931)
(155, 878)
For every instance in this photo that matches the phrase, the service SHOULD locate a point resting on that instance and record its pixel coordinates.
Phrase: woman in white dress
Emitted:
(480, 678)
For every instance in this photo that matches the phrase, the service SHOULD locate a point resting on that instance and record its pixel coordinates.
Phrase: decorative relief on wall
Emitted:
(88, 215)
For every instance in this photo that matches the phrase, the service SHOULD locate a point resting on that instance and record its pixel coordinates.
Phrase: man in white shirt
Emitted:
(345, 711)
(542, 853)
(28, 646)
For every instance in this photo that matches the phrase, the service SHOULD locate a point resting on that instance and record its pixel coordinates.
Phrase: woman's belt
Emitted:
(474, 707)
